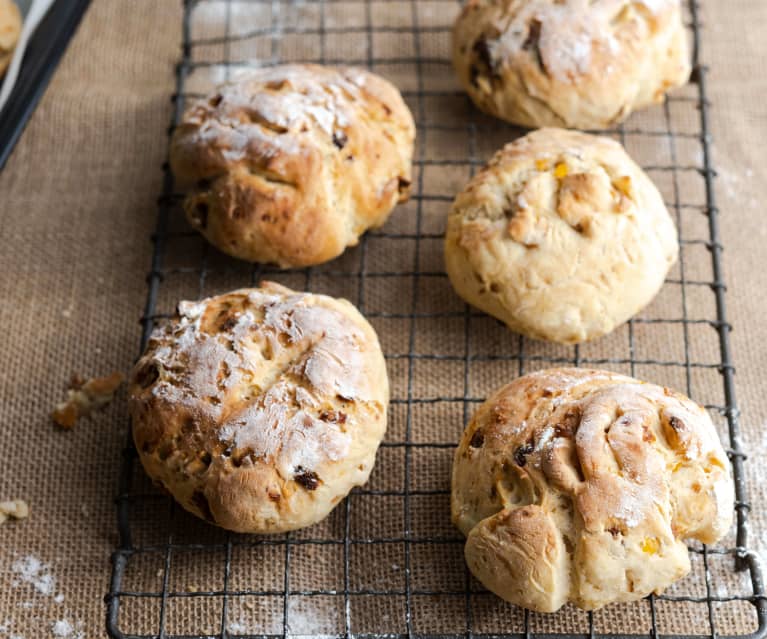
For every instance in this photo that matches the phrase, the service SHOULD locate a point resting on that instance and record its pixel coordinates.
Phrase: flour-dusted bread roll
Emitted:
(579, 486)
(573, 63)
(10, 28)
(561, 236)
(293, 163)
(259, 410)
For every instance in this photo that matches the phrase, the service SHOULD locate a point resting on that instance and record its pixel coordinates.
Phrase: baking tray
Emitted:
(387, 562)
(44, 51)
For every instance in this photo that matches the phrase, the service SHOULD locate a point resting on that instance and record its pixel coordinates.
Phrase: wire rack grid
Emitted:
(387, 562)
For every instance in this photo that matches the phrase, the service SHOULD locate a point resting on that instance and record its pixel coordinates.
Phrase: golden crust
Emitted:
(580, 485)
(293, 163)
(571, 63)
(260, 409)
(561, 236)
(10, 29)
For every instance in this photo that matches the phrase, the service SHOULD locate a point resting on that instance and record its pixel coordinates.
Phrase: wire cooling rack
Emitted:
(387, 561)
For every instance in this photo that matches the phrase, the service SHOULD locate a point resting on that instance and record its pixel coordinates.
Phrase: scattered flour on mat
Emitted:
(5, 630)
(734, 180)
(30, 570)
(238, 627)
(67, 629)
(736, 187)
(757, 451)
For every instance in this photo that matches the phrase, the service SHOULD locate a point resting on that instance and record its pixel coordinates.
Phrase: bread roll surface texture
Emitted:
(260, 409)
(579, 486)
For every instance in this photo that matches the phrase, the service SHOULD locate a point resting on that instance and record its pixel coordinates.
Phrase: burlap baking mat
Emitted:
(77, 202)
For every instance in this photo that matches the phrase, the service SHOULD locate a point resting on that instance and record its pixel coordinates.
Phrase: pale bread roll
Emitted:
(561, 236)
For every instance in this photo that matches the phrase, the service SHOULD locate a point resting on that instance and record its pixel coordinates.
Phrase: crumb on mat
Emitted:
(85, 396)
(15, 508)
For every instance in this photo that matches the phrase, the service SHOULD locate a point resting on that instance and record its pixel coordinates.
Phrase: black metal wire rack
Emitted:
(387, 562)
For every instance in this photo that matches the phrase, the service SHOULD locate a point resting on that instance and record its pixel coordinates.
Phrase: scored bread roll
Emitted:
(260, 409)
(579, 486)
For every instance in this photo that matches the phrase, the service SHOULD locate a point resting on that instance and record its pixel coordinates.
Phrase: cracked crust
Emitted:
(561, 236)
(260, 409)
(291, 164)
(579, 486)
(572, 63)
(10, 29)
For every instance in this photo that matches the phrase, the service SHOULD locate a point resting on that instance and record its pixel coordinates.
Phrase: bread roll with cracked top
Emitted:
(561, 236)
(259, 410)
(580, 64)
(291, 164)
(580, 486)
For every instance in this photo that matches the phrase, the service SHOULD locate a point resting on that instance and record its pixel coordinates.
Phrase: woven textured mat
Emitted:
(77, 203)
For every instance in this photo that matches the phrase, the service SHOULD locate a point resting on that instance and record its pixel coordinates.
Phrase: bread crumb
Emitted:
(15, 508)
(84, 397)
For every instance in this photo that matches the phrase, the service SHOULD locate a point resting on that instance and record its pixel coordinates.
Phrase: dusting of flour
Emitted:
(33, 574)
(30, 570)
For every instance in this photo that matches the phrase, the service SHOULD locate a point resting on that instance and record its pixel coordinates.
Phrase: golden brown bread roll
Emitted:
(291, 164)
(260, 409)
(570, 63)
(580, 485)
(10, 29)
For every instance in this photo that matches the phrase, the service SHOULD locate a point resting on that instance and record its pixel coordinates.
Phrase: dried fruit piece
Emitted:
(306, 478)
(650, 545)
(560, 170)
(623, 184)
(84, 397)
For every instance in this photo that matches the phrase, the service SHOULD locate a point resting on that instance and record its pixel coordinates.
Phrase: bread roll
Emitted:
(570, 63)
(291, 164)
(561, 236)
(580, 486)
(260, 409)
